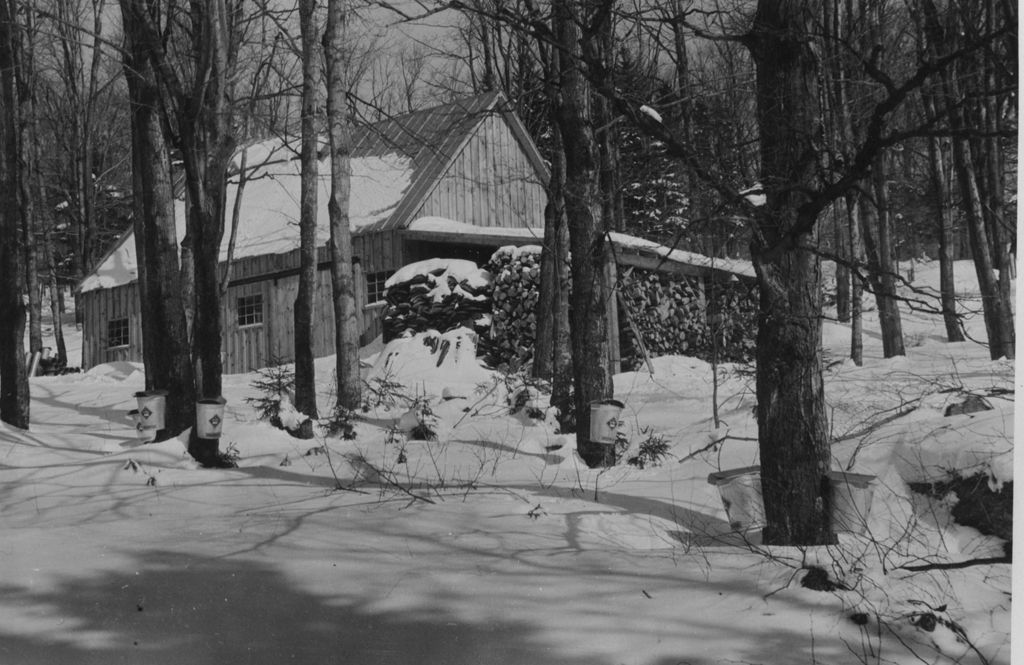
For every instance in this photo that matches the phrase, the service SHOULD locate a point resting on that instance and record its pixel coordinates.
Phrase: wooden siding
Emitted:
(100, 307)
(491, 182)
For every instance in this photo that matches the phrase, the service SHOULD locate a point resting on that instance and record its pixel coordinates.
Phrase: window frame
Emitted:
(245, 308)
(119, 329)
(375, 283)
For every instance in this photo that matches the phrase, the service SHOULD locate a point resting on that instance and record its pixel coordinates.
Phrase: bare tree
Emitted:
(166, 351)
(14, 392)
(193, 50)
(305, 373)
(346, 333)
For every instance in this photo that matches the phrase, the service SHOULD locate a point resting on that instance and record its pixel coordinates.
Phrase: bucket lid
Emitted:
(719, 477)
(151, 393)
(610, 402)
(212, 400)
(850, 478)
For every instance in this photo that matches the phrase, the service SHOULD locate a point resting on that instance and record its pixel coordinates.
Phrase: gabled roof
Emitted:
(432, 138)
(395, 164)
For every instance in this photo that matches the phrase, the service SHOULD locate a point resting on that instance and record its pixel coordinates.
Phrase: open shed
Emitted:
(469, 160)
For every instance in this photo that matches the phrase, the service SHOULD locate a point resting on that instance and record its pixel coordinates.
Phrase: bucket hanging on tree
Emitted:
(152, 408)
(604, 420)
(210, 417)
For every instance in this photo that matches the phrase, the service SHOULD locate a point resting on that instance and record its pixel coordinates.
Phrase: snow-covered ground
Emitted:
(494, 544)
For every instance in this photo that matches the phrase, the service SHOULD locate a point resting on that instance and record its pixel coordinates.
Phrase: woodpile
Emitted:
(516, 289)
(437, 298)
(675, 316)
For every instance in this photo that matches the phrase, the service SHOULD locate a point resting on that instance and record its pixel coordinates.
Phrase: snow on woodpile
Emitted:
(516, 272)
(437, 294)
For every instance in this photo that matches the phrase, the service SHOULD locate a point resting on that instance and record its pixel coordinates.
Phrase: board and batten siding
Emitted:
(491, 182)
(102, 306)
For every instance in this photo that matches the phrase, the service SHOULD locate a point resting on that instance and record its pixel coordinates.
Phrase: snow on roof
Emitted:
(269, 216)
(445, 225)
(735, 266)
(621, 240)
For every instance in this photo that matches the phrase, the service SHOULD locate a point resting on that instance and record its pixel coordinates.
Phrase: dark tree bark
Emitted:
(305, 373)
(882, 258)
(944, 220)
(166, 350)
(14, 391)
(592, 380)
(996, 304)
(346, 335)
(791, 417)
(197, 99)
(553, 355)
(856, 282)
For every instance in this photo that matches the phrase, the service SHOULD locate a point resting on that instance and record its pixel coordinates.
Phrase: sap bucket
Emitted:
(852, 494)
(210, 417)
(152, 407)
(740, 490)
(604, 420)
(144, 433)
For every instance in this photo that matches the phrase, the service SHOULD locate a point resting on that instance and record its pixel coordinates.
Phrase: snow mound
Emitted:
(429, 363)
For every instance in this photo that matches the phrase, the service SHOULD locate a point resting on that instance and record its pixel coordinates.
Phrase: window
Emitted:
(117, 333)
(250, 310)
(375, 286)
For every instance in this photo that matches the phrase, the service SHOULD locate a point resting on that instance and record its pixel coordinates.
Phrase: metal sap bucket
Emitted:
(604, 420)
(152, 408)
(210, 417)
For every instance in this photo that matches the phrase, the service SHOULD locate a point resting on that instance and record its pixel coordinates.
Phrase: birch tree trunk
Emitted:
(346, 335)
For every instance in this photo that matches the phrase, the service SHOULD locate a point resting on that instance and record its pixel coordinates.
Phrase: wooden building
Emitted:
(471, 161)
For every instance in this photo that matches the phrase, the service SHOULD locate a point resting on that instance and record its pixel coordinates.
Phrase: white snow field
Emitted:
(494, 544)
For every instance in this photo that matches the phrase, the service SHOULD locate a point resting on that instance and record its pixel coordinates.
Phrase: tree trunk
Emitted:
(592, 379)
(305, 373)
(856, 283)
(997, 309)
(346, 329)
(842, 243)
(885, 267)
(553, 355)
(165, 342)
(996, 303)
(944, 220)
(791, 417)
(14, 391)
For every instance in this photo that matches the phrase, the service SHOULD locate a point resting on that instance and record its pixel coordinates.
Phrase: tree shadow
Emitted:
(174, 608)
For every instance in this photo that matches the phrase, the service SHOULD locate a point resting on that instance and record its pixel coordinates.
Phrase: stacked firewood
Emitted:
(437, 299)
(516, 289)
(675, 316)
(667, 311)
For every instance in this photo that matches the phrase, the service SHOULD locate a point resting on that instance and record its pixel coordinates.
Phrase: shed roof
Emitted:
(395, 164)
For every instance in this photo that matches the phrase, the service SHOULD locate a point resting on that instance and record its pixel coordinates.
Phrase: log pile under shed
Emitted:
(516, 289)
(680, 315)
(437, 294)
(673, 314)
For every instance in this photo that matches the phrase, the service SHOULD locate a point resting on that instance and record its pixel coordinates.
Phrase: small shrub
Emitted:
(273, 383)
(426, 420)
(383, 391)
(340, 423)
(652, 450)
